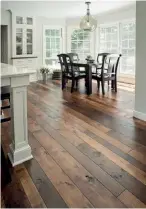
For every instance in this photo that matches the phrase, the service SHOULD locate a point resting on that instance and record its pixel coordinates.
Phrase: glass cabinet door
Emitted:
(19, 20)
(23, 35)
(29, 41)
(29, 21)
(19, 41)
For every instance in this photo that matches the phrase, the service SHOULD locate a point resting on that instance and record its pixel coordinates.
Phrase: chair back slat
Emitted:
(101, 57)
(112, 60)
(66, 63)
(74, 57)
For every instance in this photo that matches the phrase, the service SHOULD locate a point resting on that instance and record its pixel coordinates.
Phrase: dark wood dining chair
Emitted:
(100, 59)
(98, 65)
(69, 72)
(73, 56)
(108, 71)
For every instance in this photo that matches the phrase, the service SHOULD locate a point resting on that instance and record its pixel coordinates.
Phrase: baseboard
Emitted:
(139, 115)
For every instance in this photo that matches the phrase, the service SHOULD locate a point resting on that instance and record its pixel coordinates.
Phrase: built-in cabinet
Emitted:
(23, 43)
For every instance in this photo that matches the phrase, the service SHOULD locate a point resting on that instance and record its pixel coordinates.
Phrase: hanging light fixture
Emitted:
(88, 23)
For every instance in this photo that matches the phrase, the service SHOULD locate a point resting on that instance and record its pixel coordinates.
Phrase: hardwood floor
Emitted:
(88, 150)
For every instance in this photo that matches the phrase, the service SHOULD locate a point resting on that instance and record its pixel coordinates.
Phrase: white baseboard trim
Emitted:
(139, 115)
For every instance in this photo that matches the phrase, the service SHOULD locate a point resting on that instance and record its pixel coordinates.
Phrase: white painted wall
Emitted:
(140, 90)
(6, 20)
(124, 13)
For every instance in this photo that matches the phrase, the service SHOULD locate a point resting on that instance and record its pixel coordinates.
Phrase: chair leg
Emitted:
(73, 83)
(63, 82)
(102, 83)
(98, 84)
(86, 82)
(115, 82)
(112, 84)
(77, 83)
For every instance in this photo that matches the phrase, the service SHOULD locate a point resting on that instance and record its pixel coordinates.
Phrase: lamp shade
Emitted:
(88, 23)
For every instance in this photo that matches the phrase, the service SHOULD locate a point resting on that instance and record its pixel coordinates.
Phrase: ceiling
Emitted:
(63, 9)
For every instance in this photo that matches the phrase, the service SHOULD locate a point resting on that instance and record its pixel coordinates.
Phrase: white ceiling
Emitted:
(63, 9)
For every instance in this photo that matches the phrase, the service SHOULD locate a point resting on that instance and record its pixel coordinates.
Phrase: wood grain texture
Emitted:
(92, 189)
(66, 188)
(88, 150)
(139, 154)
(29, 187)
(14, 195)
(46, 189)
(130, 200)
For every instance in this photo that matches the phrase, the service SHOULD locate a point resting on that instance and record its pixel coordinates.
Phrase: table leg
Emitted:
(89, 78)
(63, 81)
(20, 151)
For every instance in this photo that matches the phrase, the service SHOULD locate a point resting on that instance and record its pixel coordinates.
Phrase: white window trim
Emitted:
(121, 22)
(44, 38)
(92, 40)
(119, 38)
(103, 26)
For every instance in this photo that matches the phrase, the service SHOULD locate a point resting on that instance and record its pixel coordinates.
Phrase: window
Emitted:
(120, 38)
(80, 43)
(52, 44)
(108, 39)
(127, 42)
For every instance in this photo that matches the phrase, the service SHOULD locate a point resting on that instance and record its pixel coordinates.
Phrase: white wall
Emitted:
(6, 20)
(124, 13)
(140, 90)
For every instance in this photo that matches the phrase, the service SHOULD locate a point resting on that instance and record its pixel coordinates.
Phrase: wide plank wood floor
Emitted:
(88, 150)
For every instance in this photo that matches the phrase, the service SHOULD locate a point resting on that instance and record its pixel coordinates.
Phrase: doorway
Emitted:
(4, 44)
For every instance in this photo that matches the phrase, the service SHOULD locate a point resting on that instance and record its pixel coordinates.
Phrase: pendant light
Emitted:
(88, 23)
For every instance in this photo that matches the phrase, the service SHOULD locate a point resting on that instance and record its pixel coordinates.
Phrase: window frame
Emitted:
(106, 26)
(45, 27)
(70, 30)
(119, 41)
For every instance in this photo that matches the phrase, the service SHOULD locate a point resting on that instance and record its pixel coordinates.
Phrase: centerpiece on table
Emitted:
(90, 59)
(44, 71)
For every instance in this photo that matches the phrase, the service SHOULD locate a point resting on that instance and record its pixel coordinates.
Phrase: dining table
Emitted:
(88, 69)
(18, 80)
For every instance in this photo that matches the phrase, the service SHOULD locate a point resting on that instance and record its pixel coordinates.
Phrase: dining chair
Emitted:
(97, 67)
(69, 71)
(108, 71)
(73, 56)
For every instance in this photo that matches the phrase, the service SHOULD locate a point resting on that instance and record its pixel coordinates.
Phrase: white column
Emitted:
(140, 88)
(20, 150)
